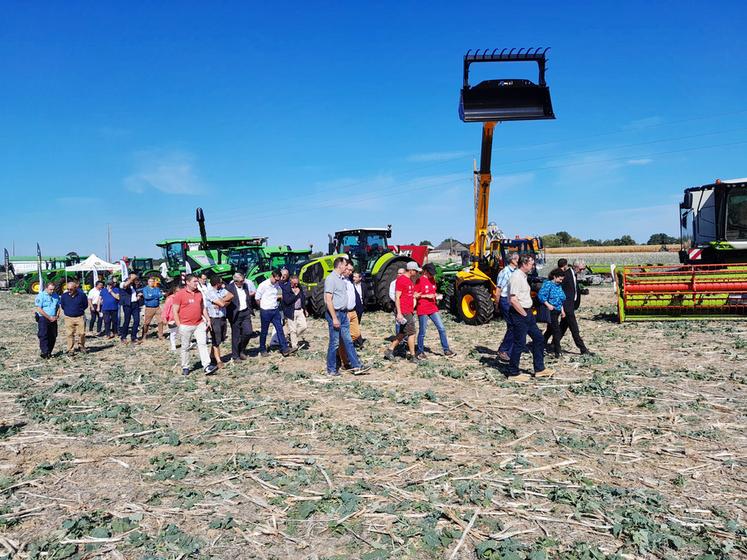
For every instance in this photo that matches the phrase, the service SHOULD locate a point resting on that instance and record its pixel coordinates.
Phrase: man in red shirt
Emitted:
(404, 301)
(427, 307)
(191, 318)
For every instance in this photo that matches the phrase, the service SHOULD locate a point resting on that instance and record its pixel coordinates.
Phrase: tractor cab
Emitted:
(364, 246)
(285, 257)
(247, 260)
(713, 223)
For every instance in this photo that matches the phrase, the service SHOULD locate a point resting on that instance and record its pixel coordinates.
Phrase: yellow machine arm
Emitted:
(482, 199)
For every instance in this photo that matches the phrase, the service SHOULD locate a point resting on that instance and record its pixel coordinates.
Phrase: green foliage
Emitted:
(661, 239)
(168, 467)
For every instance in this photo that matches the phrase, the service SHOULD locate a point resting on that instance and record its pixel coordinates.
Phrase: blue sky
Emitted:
(296, 119)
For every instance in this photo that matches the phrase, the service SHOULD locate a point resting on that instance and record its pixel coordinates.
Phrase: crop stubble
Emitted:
(638, 451)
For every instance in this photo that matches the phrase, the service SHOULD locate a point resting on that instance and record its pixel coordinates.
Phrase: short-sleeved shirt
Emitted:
(406, 298)
(47, 303)
(108, 301)
(214, 311)
(74, 305)
(190, 307)
(152, 296)
(519, 287)
(503, 277)
(426, 287)
(94, 296)
(337, 286)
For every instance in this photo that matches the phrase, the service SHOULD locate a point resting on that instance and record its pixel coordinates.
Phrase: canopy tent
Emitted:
(91, 263)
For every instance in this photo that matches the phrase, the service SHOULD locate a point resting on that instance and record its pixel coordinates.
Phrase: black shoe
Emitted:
(389, 355)
(44, 356)
(587, 352)
(211, 369)
(264, 354)
(185, 371)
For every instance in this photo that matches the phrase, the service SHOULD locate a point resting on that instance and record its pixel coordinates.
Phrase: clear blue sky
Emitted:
(295, 119)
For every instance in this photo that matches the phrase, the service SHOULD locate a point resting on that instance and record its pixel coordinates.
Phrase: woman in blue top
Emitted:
(552, 296)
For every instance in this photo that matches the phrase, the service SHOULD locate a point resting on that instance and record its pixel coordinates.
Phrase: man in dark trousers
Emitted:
(239, 312)
(47, 305)
(360, 298)
(572, 302)
(130, 298)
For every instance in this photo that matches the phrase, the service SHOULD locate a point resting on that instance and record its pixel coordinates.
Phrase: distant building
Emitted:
(449, 250)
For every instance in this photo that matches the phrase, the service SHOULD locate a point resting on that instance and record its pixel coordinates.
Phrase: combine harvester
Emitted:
(711, 282)
(491, 102)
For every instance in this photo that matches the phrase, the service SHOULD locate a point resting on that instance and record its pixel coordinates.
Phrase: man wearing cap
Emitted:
(404, 302)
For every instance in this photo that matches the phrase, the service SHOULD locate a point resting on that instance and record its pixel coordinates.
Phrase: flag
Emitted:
(6, 262)
(39, 267)
(123, 270)
(187, 267)
(95, 277)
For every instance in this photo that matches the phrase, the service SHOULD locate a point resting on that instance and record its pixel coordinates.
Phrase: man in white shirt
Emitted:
(355, 329)
(94, 307)
(501, 285)
(239, 312)
(523, 322)
(268, 296)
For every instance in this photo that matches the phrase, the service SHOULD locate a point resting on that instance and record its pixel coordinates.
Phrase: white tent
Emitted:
(91, 263)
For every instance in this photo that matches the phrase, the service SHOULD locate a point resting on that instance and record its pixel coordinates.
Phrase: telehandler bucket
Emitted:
(505, 99)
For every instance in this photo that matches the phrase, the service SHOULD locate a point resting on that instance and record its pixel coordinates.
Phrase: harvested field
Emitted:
(637, 452)
(620, 259)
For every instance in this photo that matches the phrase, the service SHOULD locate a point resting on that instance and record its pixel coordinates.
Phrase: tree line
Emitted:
(565, 239)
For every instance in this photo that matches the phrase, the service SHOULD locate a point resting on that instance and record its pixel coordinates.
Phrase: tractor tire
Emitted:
(316, 300)
(474, 304)
(447, 303)
(33, 287)
(383, 280)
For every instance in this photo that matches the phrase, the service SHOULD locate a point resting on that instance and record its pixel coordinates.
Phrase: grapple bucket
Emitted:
(665, 293)
(506, 99)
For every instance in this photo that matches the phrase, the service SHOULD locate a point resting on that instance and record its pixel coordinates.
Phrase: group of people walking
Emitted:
(199, 312)
(559, 297)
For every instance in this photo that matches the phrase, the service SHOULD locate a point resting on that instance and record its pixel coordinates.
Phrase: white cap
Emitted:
(412, 265)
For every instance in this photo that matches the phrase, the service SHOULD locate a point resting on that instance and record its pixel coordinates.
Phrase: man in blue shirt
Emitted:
(74, 304)
(217, 299)
(130, 298)
(47, 305)
(152, 300)
(110, 309)
(507, 345)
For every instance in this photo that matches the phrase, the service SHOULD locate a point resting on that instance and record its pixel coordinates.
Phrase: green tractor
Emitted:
(369, 251)
(256, 262)
(141, 266)
(195, 255)
(25, 272)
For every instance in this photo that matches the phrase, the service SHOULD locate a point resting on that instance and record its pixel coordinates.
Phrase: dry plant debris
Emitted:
(637, 452)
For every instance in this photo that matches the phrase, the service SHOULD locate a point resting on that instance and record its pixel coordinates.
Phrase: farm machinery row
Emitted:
(711, 281)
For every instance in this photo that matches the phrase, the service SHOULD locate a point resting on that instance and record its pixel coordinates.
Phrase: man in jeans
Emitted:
(191, 318)
(336, 303)
(110, 308)
(268, 296)
(501, 288)
(47, 305)
(404, 305)
(74, 304)
(152, 299)
(130, 298)
(94, 305)
(523, 322)
(239, 313)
